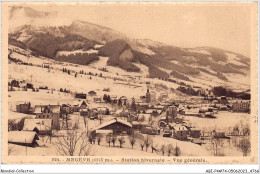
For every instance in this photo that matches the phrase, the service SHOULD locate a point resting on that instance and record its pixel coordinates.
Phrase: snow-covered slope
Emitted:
(205, 64)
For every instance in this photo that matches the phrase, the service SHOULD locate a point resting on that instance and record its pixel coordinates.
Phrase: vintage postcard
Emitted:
(129, 83)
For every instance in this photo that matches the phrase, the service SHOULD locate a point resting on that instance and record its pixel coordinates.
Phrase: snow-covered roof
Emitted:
(123, 98)
(40, 124)
(102, 108)
(182, 128)
(112, 122)
(22, 136)
(78, 102)
(53, 108)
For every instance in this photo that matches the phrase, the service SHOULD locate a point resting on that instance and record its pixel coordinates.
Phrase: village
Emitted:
(150, 124)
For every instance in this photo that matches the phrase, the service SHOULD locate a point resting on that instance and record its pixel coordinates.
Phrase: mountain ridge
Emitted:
(162, 60)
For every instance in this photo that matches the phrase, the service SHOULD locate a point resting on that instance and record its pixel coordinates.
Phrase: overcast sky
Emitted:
(182, 24)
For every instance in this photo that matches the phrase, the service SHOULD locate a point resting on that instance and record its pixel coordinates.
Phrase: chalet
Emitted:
(114, 126)
(49, 112)
(43, 87)
(84, 112)
(66, 108)
(46, 65)
(123, 100)
(103, 110)
(40, 126)
(209, 114)
(158, 107)
(113, 99)
(180, 132)
(206, 135)
(25, 138)
(223, 108)
(23, 108)
(80, 96)
(78, 105)
(97, 99)
(92, 93)
(194, 133)
(191, 112)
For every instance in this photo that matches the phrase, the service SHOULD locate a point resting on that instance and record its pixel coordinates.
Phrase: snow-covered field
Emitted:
(223, 121)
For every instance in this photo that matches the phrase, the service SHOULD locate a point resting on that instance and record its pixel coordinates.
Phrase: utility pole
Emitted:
(25, 148)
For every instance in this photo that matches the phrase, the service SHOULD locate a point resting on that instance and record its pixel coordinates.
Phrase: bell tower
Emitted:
(148, 96)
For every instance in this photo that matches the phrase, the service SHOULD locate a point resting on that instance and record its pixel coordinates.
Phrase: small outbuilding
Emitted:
(25, 138)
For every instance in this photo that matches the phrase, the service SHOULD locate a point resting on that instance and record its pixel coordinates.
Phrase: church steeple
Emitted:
(148, 96)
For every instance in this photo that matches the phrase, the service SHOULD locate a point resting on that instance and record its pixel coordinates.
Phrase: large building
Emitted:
(49, 112)
(23, 108)
(241, 106)
(180, 132)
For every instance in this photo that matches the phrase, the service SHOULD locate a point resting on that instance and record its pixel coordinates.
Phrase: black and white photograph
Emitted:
(138, 82)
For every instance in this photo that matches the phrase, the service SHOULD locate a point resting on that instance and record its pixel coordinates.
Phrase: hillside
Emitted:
(85, 43)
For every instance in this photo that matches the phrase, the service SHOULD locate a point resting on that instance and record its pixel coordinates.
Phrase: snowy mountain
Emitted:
(162, 60)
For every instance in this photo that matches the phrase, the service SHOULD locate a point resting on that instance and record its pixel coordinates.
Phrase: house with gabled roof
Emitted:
(40, 126)
(49, 112)
(25, 138)
(114, 126)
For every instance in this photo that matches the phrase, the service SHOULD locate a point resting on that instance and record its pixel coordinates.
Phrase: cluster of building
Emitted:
(145, 114)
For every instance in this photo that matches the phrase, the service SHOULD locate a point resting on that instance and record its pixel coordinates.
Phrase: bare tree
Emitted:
(90, 138)
(177, 151)
(153, 147)
(74, 143)
(245, 146)
(113, 140)
(246, 130)
(99, 139)
(142, 145)
(169, 149)
(10, 149)
(147, 142)
(132, 139)
(49, 136)
(12, 125)
(163, 149)
(217, 144)
(108, 139)
(121, 141)
(85, 120)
